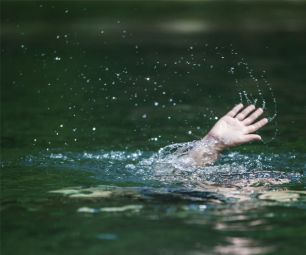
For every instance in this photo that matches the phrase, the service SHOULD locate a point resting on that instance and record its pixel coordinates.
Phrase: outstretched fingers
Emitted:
(251, 118)
(257, 125)
(235, 110)
(242, 115)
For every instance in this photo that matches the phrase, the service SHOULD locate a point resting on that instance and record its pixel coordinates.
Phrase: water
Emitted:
(91, 97)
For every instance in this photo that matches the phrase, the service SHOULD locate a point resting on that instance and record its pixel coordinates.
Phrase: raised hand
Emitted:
(238, 126)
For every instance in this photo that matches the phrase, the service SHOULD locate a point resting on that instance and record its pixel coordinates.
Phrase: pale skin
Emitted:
(235, 128)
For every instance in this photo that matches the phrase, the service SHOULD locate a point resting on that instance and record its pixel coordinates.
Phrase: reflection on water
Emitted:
(213, 209)
(241, 246)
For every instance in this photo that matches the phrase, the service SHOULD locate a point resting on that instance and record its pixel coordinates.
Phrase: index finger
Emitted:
(235, 110)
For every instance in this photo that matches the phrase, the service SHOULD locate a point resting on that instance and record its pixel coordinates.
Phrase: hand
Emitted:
(237, 127)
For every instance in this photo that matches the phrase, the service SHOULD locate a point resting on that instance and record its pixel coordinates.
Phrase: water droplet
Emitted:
(232, 69)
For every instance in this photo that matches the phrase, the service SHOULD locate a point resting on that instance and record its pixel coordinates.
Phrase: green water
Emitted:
(91, 89)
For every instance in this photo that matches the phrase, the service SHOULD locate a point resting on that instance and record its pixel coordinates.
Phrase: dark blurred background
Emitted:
(142, 74)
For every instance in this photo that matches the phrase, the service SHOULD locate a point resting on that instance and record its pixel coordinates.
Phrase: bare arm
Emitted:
(235, 128)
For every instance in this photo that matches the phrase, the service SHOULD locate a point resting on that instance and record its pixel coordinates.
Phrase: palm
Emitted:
(237, 126)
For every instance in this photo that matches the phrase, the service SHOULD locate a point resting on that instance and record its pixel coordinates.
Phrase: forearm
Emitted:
(206, 151)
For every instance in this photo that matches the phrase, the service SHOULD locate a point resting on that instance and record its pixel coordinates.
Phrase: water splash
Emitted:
(166, 167)
(252, 87)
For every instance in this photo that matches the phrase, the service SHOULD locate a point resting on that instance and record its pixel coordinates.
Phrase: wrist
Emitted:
(206, 151)
(210, 140)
